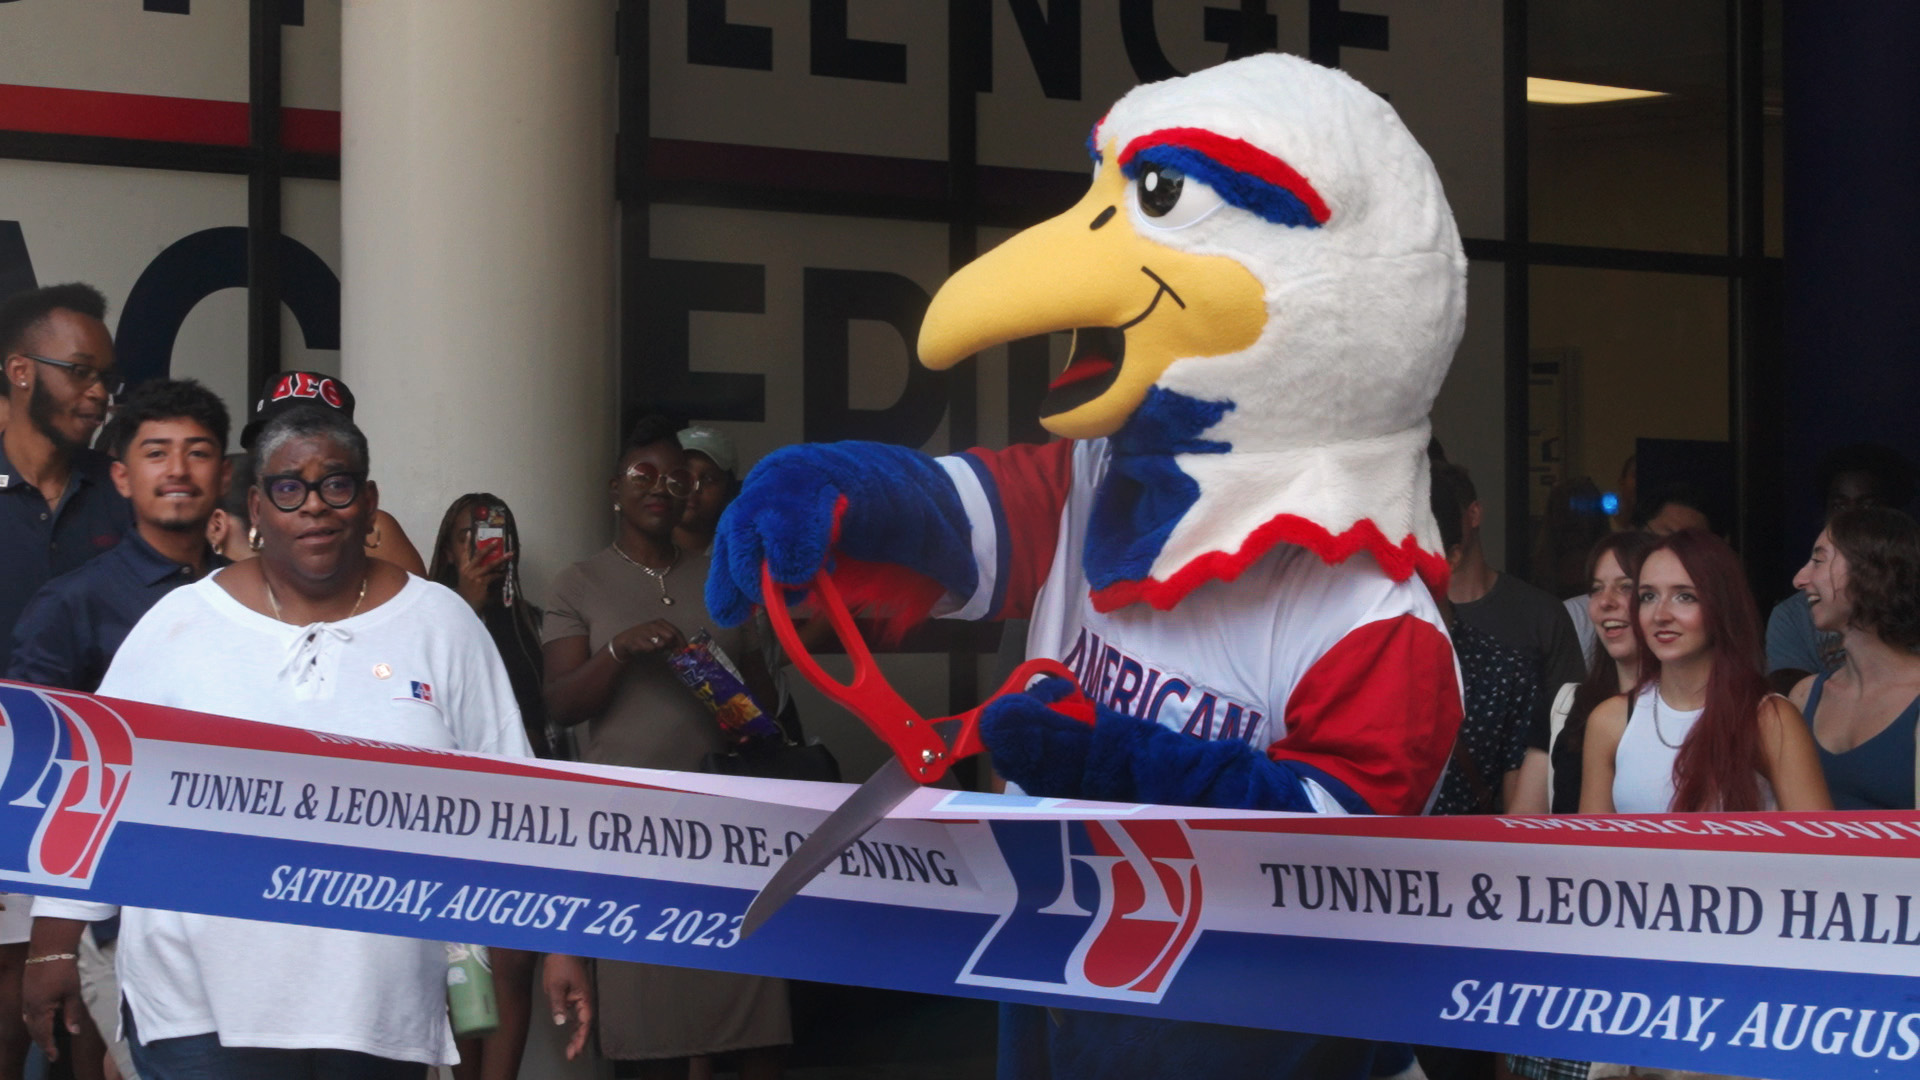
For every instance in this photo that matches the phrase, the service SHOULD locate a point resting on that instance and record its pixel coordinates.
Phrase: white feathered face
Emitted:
(1263, 232)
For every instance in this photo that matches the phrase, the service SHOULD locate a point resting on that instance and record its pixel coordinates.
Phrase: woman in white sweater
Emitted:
(312, 634)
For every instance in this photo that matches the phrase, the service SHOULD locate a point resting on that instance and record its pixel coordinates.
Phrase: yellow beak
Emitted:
(1091, 271)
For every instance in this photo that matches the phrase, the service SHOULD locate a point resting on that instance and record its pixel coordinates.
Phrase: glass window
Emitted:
(1622, 363)
(1627, 147)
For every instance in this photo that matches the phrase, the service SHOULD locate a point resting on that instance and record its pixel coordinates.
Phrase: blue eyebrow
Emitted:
(1242, 189)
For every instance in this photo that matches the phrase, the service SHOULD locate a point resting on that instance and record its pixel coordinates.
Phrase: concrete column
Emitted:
(477, 235)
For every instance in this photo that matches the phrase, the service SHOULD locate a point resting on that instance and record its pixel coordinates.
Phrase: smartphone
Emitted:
(488, 537)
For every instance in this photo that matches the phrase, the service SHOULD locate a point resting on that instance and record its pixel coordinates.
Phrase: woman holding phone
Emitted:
(477, 554)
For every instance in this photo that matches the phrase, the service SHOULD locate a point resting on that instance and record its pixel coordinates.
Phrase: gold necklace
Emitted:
(274, 601)
(657, 575)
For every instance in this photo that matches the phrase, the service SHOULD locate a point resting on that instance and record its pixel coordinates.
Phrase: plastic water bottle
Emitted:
(470, 999)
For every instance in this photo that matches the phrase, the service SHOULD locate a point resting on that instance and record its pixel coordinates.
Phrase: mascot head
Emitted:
(1265, 273)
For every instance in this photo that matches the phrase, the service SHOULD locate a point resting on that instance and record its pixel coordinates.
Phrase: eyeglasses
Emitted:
(288, 492)
(678, 483)
(86, 374)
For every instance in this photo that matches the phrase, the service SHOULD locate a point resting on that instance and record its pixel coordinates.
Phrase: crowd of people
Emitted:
(140, 555)
(1681, 698)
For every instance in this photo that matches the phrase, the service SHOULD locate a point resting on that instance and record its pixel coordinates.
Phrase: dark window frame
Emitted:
(966, 204)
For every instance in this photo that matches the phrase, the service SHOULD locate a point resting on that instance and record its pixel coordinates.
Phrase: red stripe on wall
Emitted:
(797, 170)
(150, 118)
(310, 131)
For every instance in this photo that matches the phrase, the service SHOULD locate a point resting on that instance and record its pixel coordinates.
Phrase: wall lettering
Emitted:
(16, 266)
(201, 264)
(834, 53)
(1245, 30)
(660, 363)
(1053, 43)
(714, 41)
(833, 299)
(1142, 41)
(292, 12)
(1330, 29)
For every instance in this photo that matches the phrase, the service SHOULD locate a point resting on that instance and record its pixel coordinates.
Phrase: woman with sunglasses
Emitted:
(614, 618)
(313, 634)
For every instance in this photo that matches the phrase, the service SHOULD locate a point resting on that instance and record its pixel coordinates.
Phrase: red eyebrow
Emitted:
(1237, 155)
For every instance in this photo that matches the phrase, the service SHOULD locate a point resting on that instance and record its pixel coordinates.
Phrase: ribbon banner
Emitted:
(1775, 945)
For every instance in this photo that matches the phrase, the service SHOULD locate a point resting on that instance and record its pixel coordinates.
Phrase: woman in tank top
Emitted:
(1700, 732)
(1863, 582)
(1613, 664)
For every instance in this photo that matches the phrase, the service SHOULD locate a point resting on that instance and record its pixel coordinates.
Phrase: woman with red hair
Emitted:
(1700, 732)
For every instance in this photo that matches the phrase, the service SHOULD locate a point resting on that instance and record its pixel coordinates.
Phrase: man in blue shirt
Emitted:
(170, 438)
(58, 506)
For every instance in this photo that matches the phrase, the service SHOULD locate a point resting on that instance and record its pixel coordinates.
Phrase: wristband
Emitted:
(51, 957)
(615, 653)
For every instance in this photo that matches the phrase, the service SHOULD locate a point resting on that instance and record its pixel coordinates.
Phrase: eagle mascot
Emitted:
(1230, 542)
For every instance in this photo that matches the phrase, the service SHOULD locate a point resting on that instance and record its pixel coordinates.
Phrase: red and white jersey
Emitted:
(1337, 668)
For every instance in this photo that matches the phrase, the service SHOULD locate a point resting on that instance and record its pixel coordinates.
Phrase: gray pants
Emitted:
(100, 989)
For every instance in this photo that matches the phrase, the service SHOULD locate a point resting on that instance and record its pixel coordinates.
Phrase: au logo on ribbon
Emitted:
(67, 758)
(1106, 909)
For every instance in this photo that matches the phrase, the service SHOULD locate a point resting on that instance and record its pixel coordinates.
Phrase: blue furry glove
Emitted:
(870, 501)
(1040, 740)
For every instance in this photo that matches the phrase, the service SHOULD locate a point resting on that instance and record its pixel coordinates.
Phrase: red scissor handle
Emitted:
(912, 737)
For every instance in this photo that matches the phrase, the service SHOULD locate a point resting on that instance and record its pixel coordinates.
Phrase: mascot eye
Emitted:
(1169, 200)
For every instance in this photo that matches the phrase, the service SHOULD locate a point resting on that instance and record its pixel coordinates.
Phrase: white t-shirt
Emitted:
(1582, 622)
(298, 987)
(1336, 668)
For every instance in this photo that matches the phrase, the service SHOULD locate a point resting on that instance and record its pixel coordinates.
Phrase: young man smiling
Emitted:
(170, 438)
(58, 506)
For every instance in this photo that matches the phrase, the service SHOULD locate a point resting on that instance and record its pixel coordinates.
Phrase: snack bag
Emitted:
(706, 671)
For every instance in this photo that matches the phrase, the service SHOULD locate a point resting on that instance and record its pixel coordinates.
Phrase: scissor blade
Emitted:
(862, 811)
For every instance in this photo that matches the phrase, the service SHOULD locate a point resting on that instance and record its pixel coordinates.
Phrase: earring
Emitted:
(253, 538)
(374, 540)
(616, 508)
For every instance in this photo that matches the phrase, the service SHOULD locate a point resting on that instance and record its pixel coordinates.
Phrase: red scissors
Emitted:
(923, 749)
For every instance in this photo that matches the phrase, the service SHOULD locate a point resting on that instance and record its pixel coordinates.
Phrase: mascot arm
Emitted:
(892, 510)
(1377, 713)
(1369, 728)
(905, 534)
(1015, 498)
(1054, 742)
